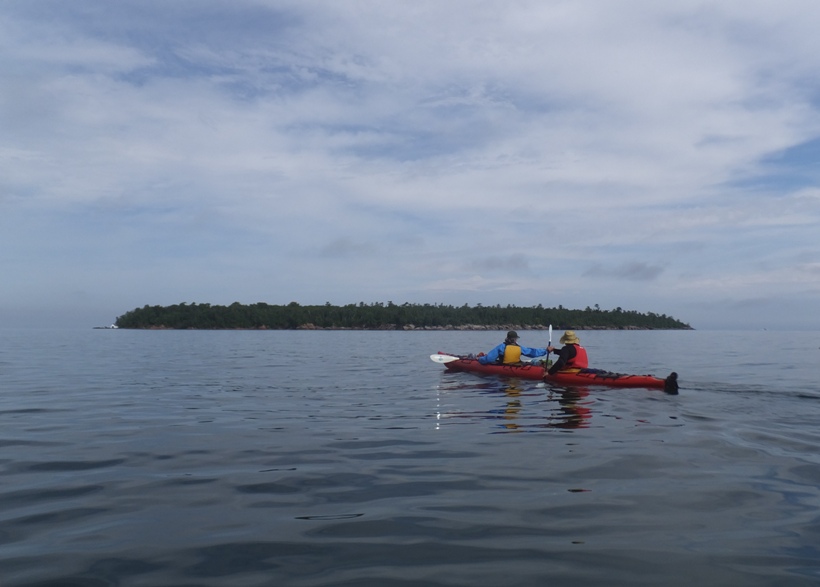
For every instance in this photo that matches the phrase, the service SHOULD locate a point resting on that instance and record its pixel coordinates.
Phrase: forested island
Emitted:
(390, 316)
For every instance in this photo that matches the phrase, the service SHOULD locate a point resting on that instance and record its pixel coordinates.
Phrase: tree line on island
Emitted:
(390, 316)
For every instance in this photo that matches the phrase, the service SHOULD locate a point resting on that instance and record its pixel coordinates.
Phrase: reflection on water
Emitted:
(510, 413)
(222, 459)
(522, 406)
(573, 410)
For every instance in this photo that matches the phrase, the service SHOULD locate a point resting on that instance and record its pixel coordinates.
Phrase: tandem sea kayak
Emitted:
(565, 377)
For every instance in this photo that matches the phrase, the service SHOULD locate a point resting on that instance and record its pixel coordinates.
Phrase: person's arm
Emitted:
(564, 355)
(528, 352)
(493, 355)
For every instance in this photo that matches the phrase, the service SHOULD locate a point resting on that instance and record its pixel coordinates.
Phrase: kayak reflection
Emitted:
(525, 406)
(573, 411)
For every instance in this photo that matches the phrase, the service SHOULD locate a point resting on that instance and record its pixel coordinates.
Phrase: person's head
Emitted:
(512, 336)
(569, 338)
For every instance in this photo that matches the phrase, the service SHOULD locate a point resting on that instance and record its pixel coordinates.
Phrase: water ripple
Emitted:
(226, 459)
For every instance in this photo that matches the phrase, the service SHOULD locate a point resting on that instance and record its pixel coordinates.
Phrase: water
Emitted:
(132, 458)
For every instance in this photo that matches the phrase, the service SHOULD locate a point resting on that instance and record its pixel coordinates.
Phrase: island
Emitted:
(389, 316)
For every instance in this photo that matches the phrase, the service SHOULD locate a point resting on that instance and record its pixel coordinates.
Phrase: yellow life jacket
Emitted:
(512, 354)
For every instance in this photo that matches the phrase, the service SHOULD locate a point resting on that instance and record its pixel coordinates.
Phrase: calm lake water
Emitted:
(229, 459)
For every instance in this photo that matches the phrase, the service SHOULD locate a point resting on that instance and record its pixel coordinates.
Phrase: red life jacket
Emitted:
(580, 360)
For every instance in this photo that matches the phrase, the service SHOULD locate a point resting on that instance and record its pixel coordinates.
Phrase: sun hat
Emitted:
(512, 334)
(569, 338)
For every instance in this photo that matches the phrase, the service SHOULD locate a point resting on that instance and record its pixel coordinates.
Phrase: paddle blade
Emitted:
(441, 358)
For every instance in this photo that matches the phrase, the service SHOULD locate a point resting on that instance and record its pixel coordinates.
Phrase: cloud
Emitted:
(512, 263)
(481, 150)
(342, 247)
(634, 271)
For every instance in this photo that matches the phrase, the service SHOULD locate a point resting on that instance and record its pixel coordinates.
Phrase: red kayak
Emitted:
(565, 377)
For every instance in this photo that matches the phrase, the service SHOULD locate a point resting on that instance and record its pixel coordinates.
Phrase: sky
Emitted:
(654, 156)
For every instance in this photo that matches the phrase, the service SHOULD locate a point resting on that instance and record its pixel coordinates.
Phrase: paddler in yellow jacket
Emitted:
(571, 355)
(510, 352)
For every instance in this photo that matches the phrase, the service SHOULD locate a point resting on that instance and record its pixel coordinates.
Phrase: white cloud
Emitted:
(486, 151)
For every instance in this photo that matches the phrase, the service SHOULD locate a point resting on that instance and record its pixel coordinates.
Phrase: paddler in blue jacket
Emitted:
(572, 354)
(510, 352)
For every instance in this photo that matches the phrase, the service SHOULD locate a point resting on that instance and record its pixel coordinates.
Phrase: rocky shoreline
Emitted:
(502, 327)
(483, 327)
(412, 327)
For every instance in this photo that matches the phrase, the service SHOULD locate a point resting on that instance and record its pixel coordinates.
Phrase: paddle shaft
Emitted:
(549, 344)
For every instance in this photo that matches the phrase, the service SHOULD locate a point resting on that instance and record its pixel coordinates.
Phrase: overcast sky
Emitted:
(653, 156)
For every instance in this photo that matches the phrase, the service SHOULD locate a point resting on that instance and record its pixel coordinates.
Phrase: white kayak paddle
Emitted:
(441, 358)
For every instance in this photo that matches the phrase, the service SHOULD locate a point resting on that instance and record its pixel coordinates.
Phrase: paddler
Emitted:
(510, 352)
(572, 355)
